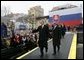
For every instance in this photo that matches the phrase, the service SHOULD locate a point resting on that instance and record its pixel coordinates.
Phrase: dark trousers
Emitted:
(41, 49)
(54, 48)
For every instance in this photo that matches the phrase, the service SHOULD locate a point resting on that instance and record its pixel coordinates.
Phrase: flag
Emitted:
(69, 16)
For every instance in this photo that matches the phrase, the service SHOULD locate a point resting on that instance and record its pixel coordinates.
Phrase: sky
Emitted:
(24, 6)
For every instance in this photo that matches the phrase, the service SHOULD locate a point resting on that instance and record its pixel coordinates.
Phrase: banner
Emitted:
(68, 16)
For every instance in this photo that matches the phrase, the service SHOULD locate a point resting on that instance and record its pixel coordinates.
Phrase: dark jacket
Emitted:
(3, 30)
(56, 35)
(43, 35)
(63, 30)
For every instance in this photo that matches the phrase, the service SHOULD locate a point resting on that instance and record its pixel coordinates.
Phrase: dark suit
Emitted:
(56, 35)
(43, 37)
(63, 30)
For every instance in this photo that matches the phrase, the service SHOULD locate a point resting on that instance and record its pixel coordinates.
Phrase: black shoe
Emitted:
(41, 55)
(58, 50)
(46, 50)
(54, 54)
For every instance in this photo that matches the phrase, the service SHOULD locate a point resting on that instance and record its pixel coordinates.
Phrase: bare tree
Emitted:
(5, 10)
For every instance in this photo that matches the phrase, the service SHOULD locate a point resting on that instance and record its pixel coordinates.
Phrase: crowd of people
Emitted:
(28, 41)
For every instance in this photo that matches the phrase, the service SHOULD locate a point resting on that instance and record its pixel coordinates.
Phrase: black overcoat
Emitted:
(56, 35)
(43, 35)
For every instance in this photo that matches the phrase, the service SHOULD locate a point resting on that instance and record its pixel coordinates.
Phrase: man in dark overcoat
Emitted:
(56, 36)
(43, 36)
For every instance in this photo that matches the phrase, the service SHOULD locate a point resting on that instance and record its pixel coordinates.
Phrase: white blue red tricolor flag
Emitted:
(69, 16)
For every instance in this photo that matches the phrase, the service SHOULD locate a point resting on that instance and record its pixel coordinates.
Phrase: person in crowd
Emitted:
(27, 42)
(30, 44)
(63, 30)
(12, 42)
(17, 39)
(35, 37)
(24, 40)
(3, 30)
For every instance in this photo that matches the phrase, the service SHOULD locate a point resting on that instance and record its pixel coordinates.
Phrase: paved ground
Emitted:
(62, 54)
(80, 51)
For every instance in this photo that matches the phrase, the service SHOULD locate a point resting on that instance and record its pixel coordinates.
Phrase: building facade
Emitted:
(33, 13)
(36, 11)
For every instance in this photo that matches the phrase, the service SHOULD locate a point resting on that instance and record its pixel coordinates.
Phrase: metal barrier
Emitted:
(11, 51)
